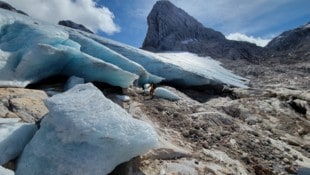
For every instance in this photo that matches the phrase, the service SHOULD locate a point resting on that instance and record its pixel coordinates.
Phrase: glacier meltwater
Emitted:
(32, 50)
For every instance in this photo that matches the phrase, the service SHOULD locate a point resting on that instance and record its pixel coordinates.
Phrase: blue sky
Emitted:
(260, 18)
(125, 20)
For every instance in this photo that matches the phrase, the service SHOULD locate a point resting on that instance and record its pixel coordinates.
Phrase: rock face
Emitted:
(172, 29)
(74, 25)
(13, 138)
(7, 6)
(84, 133)
(20, 103)
(293, 43)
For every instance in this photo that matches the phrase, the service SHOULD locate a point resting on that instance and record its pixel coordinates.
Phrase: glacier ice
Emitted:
(31, 50)
(13, 138)
(72, 81)
(181, 68)
(84, 133)
(4, 171)
(166, 94)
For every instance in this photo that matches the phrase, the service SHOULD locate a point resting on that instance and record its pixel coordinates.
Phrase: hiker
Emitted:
(152, 90)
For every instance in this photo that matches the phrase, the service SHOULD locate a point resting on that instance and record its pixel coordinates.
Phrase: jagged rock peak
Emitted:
(74, 25)
(168, 23)
(7, 6)
(172, 29)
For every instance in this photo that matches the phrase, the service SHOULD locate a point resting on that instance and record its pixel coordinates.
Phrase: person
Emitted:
(152, 90)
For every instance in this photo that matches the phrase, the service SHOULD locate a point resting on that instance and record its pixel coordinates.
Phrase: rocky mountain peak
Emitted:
(168, 23)
(172, 29)
(295, 42)
(7, 6)
(74, 25)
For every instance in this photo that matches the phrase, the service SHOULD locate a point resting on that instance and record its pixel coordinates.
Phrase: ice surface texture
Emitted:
(4, 171)
(84, 133)
(13, 138)
(166, 94)
(31, 50)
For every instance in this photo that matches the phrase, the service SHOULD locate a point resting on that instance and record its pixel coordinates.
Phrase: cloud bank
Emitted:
(242, 37)
(80, 11)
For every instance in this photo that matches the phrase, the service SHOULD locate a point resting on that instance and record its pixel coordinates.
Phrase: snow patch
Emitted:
(306, 26)
(188, 41)
(242, 37)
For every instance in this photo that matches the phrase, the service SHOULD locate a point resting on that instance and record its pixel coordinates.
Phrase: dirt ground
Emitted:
(261, 130)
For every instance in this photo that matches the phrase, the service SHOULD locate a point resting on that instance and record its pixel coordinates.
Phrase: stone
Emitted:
(25, 104)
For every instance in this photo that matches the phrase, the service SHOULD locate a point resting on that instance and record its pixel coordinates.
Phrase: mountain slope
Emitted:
(7, 6)
(172, 29)
(74, 25)
(293, 43)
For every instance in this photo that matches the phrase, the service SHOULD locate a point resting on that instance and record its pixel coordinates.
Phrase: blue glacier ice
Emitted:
(31, 50)
(72, 81)
(84, 133)
(166, 94)
(181, 68)
(13, 138)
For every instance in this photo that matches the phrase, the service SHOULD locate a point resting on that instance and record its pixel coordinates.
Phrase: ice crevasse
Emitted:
(31, 50)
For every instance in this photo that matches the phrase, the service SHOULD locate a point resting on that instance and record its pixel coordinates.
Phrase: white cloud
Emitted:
(242, 37)
(80, 11)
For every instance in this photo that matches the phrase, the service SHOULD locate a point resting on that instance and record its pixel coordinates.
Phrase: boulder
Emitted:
(25, 104)
(84, 133)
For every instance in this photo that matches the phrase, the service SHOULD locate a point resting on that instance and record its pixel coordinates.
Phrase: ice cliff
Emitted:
(31, 50)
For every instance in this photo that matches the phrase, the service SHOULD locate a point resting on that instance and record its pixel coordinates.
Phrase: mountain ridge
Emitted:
(172, 29)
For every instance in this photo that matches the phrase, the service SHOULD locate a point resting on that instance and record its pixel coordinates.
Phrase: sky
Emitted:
(255, 21)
